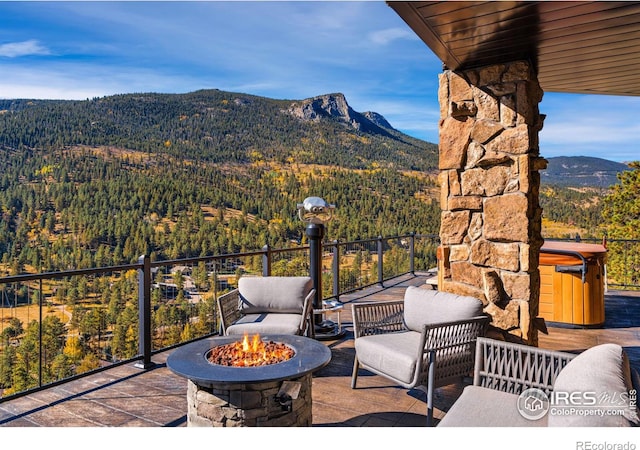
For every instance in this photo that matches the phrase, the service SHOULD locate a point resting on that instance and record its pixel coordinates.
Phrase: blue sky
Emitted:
(284, 50)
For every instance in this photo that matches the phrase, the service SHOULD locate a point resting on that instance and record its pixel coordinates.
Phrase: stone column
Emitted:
(489, 177)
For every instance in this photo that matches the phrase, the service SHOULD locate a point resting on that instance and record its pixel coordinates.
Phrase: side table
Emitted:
(334, 330)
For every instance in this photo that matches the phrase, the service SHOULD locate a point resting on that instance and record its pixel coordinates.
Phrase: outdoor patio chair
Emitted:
(425, 341)
(268, 305)
(514, 384)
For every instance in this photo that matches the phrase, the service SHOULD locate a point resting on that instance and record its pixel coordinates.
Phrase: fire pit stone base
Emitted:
(249, 404)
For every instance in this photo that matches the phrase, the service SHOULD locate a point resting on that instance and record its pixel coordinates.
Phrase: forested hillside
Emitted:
(215, 126)
(570, 211)
(582, 171)
(100, 182)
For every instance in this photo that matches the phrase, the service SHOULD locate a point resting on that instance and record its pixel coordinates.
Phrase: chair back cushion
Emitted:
(426, 306)
(273, 294)
(602, 371)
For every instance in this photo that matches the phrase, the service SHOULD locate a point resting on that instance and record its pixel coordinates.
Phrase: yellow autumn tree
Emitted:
(73, 349)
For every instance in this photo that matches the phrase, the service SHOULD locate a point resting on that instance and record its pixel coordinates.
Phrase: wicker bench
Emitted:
(598, 378)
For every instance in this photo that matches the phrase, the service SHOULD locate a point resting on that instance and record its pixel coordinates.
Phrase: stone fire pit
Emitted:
(270, 395)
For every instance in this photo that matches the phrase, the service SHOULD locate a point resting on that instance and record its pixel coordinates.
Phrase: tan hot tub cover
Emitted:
(590, 252)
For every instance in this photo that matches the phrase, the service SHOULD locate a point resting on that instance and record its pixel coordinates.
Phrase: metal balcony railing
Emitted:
(59, 326)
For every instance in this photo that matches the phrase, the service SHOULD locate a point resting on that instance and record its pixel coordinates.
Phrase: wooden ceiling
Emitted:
(580, 47)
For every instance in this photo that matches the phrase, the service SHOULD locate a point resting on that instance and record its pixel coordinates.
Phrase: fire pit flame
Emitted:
(250, 353)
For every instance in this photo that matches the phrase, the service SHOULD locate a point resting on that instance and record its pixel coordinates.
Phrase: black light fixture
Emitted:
(316, 212)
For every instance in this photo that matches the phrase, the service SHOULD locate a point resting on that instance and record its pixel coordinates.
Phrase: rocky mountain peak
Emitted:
(315, 108)
(378, 119)
(335, 106)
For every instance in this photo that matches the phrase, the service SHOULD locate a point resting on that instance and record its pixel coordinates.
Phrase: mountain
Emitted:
(218, 127)
(581, 171)
(101, 181)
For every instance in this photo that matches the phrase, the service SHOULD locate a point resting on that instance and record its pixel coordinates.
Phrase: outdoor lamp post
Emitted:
(315, 212)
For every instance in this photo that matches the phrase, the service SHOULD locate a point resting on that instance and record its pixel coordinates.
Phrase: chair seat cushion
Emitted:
(483, 407)
(426, 306)
(265, 324)
(391, 354)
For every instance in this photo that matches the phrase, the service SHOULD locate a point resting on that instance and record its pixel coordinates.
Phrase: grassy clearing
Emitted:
(28, 313)
(557, 229)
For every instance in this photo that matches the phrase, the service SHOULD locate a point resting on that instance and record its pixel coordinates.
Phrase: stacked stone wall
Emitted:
(489, 178)
(248, 405)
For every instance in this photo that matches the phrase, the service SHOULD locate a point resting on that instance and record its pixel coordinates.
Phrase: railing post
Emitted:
(336, 270)
(412, 253)
(380, 263)
(604, 268)
(40, 349)
(144, 312)
(266, 261)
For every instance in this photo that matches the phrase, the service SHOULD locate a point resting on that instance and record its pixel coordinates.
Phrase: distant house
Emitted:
(169, 291)
(185, 270)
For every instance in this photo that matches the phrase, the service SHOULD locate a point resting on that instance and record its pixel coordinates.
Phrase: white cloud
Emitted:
(588, 132)
(24, 48)
(80, 81)
(383, 37)
(11, 90)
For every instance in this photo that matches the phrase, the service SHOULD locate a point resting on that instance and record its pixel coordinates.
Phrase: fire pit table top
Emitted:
(190, 361)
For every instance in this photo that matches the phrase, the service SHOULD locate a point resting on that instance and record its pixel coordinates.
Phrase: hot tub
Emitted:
(572, 283)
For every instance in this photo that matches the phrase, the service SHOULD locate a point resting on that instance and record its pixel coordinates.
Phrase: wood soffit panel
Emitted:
(579, 47)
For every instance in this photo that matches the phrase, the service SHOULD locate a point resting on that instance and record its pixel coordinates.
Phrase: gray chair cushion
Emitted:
(265, 324)
(604, 370)
(483, 407)
(426, 306)
(273, 294)
(393, 354)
